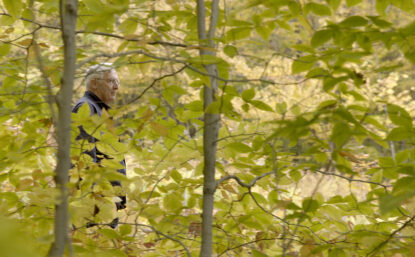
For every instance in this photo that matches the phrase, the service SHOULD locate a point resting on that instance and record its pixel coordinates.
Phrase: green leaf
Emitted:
(317, 72)
(318, 9)
(230, 51)
(334, 4)
(354, 21)
(176, 176)
(408, 30)
(356, 95)
(351, 3)
(13, 7)
(238, 33)
(389, 202)
(381, 6)
(341, 133)
(4, 49)
(213, 107)
(115, 253)
(256, 253)
(406, 169)
(128, 26)
(399, 133)
(337, 253)
(320, 37)
(381, 23)
(310, 205)
(261, 105)
(248, 95)
(303, 48)
(125, 229)
(327, 104)
(386, 162)
(95, 6)
(239, 147)
(399, 116)
(281, 107)
(196, 106)
(173, 201)
(374, 122)
(303, 63)
(402, 156)
(83, 113)
(410, 55)
(264, 32)
(110, 233)
(330, 82)
(295, 8)
(205, 60)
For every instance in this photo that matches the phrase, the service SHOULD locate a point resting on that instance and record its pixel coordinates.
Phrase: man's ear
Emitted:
(93, 84)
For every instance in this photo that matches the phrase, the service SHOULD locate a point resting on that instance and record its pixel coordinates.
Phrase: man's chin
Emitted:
(111, 100)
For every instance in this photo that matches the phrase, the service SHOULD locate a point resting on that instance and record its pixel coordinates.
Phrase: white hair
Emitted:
(97, 72)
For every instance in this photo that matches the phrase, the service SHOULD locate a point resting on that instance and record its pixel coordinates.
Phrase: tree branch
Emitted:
(353, 180)
(237, 179)
(159, 233)
(377, 248)
(156, 42)
(107, 55)
(154, 82)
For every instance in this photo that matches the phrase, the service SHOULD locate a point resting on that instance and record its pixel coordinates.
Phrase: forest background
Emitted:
(250, 128)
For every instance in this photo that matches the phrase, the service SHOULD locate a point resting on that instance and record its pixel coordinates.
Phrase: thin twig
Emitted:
(162, 234)
(377, 248)
(154, 82)
(237, 179)
(239, 135)
(353, 180)
(156, 42)
(134, 52)
(50, 96)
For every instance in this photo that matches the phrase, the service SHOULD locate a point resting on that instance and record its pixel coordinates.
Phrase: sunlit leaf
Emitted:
(230, 51)
(320, 37)
(239, 147)
(13, 7)
(351, 3)
(303, 64)
(248, 94)
(354, 21)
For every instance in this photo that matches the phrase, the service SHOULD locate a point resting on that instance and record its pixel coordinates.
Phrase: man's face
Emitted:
(107, 87)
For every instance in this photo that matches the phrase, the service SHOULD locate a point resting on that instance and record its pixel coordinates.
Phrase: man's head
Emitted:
(102, 80)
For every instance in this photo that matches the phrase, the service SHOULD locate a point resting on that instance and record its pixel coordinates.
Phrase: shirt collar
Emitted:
(97, 100)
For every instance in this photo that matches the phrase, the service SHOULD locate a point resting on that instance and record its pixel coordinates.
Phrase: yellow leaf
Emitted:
(26, 42)
(147, 114)
(132, 37)
(9, 30)
(349, 156)
(160, 129)
(44, 45)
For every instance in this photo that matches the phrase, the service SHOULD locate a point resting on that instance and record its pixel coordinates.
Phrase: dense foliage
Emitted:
(315, 150)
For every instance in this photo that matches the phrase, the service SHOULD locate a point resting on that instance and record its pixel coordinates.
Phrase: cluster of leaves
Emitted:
(268, 149)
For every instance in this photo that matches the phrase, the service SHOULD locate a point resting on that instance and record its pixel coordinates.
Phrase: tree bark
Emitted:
(68, 14)
(211, 125)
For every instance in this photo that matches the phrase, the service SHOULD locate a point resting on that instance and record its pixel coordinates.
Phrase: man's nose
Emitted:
(115, 86)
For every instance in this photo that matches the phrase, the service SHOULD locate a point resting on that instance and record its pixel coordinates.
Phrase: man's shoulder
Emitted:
(83, 100)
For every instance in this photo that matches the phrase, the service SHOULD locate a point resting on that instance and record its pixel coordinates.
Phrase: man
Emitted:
(101, 88)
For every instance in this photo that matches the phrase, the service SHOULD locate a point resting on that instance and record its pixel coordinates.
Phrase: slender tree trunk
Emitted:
(211, 125)
(68, 13)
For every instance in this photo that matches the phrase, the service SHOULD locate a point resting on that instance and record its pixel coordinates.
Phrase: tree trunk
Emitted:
(211, 125)
(68, 13)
